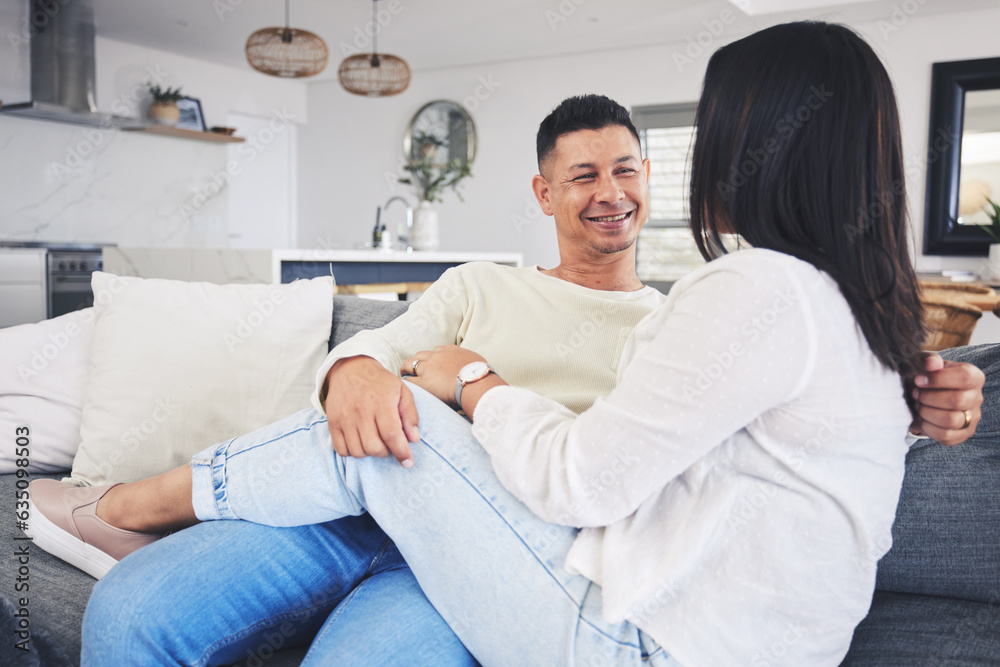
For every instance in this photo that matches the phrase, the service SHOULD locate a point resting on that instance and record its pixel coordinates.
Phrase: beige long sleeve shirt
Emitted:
(556, 338)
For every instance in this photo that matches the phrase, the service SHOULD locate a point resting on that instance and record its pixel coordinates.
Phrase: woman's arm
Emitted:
(734, 343)
(437, 369)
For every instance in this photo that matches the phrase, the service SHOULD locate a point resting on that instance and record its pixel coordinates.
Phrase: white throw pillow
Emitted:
(176, 367)
(42, 386)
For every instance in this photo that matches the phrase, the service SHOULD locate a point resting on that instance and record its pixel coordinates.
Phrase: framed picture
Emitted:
(191, 118)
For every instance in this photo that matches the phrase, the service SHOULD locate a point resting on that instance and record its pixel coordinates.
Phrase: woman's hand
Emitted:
(949, 397)
(436, 370)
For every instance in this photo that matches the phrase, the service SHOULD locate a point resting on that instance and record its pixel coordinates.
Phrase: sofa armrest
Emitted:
(946, 537)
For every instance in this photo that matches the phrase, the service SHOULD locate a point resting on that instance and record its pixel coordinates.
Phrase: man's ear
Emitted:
(647, 165)
(542, 191)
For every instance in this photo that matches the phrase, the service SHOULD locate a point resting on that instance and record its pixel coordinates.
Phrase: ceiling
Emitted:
(433, 34)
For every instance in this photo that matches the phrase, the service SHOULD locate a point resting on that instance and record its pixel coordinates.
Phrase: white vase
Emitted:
(424, 235)
(994, 262)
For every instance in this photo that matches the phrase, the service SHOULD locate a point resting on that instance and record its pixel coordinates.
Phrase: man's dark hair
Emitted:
(583, 112)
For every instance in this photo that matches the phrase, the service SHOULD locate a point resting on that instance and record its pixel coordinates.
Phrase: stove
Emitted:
(69, 268)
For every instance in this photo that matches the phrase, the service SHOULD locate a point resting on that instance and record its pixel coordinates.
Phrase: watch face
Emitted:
(473, 371)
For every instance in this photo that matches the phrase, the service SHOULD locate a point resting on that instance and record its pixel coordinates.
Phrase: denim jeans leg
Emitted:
(387, 620)
(226, 591)
(492, 568)
(277, 475)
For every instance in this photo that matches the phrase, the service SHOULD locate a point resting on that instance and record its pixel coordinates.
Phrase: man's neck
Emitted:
(610, 275)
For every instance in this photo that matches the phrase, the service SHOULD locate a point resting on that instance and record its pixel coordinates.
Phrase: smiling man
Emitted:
(593, 181)
(527, 321)
(595, 184)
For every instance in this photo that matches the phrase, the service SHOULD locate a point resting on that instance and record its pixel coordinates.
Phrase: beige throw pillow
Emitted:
(176, 367)
(42, 384)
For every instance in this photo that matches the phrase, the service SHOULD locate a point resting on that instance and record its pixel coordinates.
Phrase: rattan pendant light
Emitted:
(286, 52)
(373, 74)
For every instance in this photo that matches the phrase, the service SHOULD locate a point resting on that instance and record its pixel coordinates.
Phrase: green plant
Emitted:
(164, 94)
(992, 211)
(432, 180)
(422, 139)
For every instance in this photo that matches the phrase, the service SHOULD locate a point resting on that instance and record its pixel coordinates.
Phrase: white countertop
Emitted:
(231, 265)
(394, 256)
(321, 255)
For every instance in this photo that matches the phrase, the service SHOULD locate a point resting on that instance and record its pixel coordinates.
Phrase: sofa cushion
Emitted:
(57, 593)
(904, 630)
(946, 537)
(42, 389)
(177, 366)
(352, 314)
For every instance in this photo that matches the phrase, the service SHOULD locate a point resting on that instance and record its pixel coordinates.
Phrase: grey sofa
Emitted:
(938, 590)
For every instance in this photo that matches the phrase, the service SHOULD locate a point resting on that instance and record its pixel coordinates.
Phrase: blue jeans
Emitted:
(227, 591)
(491, 567)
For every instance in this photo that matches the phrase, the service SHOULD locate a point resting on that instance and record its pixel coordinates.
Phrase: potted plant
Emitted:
(163, 109)
(428, 144)
(992, 210)
(430, 181)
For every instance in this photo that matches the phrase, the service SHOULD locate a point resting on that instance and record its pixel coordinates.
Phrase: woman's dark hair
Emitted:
(798, 150)
(584, 112)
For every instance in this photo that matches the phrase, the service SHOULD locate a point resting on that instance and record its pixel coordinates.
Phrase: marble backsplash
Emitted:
(62, 182)
(221, 266)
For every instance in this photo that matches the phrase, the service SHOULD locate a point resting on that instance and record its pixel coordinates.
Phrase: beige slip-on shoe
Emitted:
(62, 520)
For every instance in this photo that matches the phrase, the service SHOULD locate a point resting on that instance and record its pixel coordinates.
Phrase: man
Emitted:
(593, 181)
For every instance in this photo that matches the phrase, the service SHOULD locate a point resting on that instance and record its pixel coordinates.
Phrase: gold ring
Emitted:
(968, 419)
(413, 367)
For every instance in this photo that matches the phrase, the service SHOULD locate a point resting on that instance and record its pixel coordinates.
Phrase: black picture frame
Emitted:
(191, 116)
(949, 83)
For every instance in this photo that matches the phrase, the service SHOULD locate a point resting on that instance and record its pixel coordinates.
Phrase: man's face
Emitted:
(596, 186)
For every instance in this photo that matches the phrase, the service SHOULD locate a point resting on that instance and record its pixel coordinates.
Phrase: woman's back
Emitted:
(800, 502)
(758, 463)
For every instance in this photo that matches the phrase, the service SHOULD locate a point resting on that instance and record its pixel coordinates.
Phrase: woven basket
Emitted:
(956, 288)
(949, 321)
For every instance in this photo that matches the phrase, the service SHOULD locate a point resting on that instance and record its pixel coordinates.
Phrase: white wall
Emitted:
(62, 182)
(352, 147)
(909, 53)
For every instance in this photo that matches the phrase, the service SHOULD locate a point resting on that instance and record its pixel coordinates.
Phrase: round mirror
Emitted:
(440, 132)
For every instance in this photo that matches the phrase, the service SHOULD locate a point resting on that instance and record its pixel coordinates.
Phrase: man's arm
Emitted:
(949, 396)
(369, 410)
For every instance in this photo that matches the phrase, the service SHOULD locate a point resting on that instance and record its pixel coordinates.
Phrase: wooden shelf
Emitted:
(167, 131)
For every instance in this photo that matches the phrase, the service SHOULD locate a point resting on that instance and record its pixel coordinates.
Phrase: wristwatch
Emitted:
(473, 372)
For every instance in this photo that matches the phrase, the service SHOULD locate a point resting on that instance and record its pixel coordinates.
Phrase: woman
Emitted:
(734, 490)
(734, 486)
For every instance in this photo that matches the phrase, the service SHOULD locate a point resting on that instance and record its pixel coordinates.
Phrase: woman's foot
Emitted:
(63, 521)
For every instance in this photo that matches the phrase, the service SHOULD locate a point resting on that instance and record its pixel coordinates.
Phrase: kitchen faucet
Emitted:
(403, 230)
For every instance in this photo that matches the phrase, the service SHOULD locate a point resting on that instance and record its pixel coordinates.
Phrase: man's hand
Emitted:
(370, 411)
(949, 397)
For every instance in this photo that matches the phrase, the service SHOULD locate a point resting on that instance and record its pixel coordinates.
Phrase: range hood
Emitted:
(56, 73)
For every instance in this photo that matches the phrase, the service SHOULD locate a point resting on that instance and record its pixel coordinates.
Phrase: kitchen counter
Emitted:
(222, 265)
(361, 267)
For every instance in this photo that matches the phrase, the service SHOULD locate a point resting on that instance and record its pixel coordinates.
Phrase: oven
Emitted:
(69, 279)
(68, 269)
